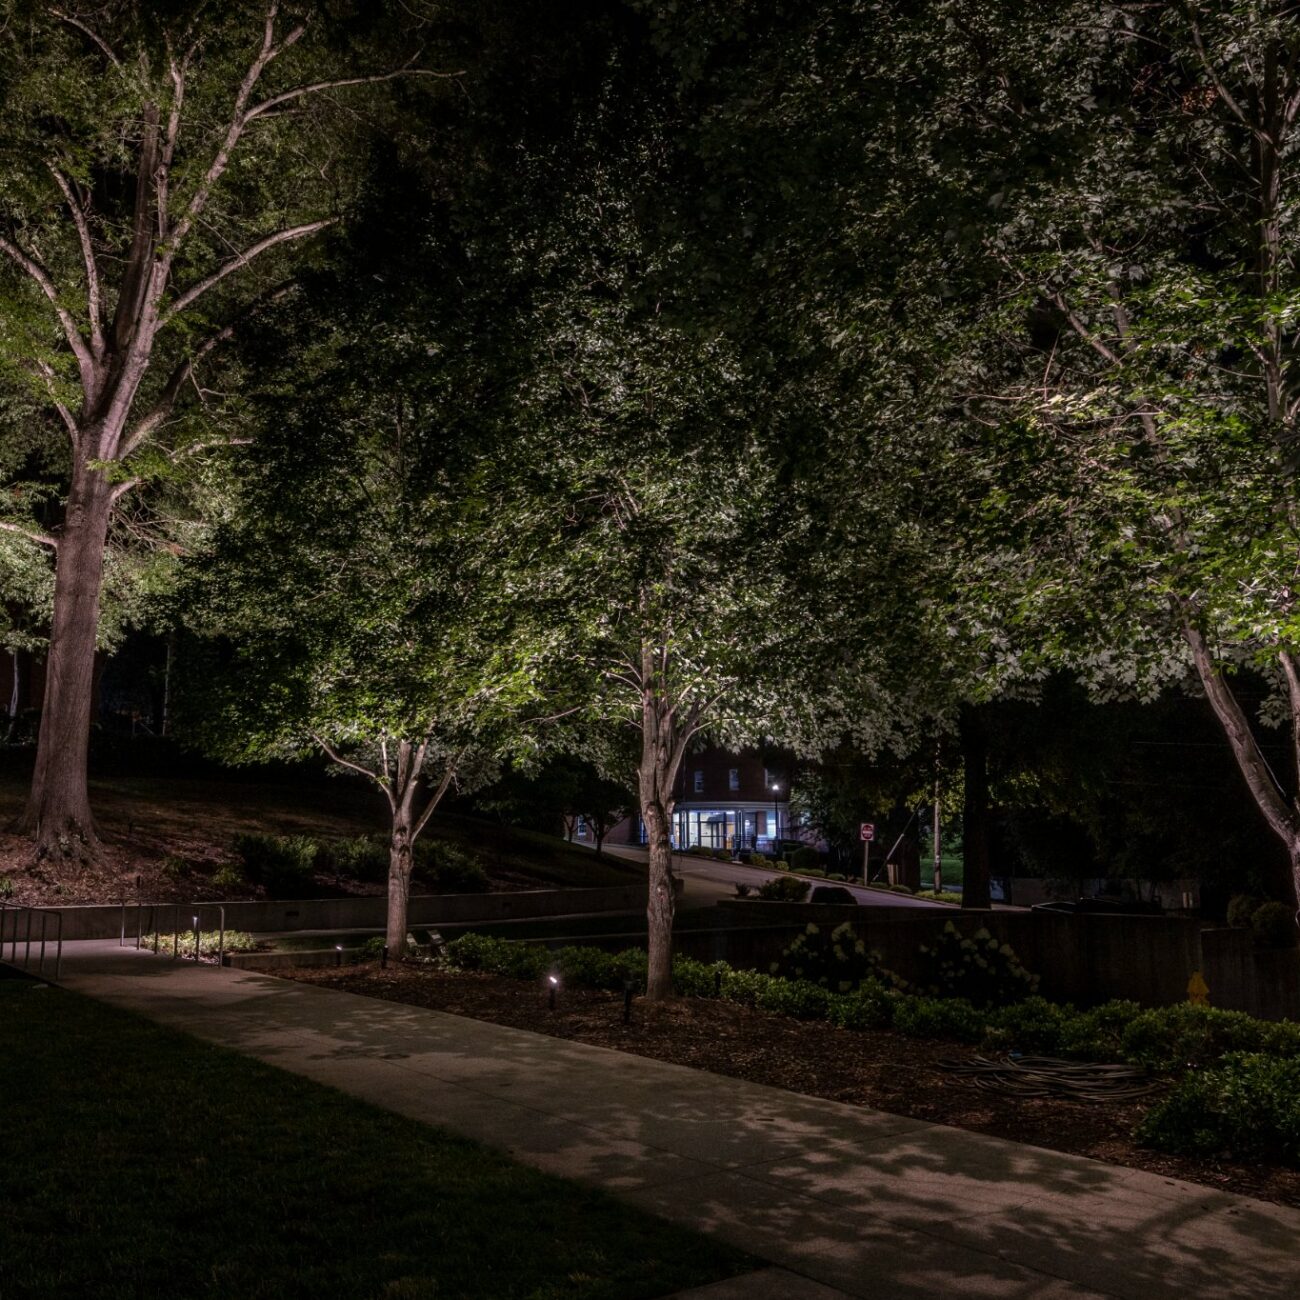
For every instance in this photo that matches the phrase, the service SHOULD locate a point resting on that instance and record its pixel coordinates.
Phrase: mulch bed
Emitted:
(877, 1068)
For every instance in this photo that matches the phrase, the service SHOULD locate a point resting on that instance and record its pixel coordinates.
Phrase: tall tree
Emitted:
(356, 613)
(161, 172)
(1140, 414)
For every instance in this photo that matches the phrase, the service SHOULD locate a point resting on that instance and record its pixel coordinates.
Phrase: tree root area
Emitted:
(877, 1068)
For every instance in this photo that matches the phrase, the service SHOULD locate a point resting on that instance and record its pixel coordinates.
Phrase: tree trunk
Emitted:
(15, 696)
(401, 859)
(661, 905)
(58, 810)
(975, 813)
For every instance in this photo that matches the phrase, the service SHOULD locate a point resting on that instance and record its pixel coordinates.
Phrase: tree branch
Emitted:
(238, 119)
(356, 767)
(1268, 795)
(38, 273)
(297, 92)
(32, 535)
(436, 797)
(91, 33)
(240, 260)
(65, 415)
(87, 257)
(1083, 331)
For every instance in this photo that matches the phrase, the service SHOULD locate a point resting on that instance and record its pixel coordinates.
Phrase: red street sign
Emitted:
(867, 831)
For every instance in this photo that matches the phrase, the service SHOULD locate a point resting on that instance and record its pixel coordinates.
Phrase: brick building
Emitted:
(725, 801)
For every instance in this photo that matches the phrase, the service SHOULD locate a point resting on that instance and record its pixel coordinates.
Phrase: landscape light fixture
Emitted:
(196, 938)
(550, 997)
(776, 818)
(338, 954)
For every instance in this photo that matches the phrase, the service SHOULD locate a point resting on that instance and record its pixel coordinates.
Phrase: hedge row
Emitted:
(1161, 1038)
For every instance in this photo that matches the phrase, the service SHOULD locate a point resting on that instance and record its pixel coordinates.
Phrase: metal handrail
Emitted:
(43, 938)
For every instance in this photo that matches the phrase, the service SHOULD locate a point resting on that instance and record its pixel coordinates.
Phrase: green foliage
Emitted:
(977, 968)
(944, 897)
(586, 966)
(834, 959)
(1241, 907)
(1033, 1025)
(1170, 1038)
(1246, 1106)
(781, 865)
(757, 859)
(1274, 925)
(6, 887)
(449, 869)
(806, 860)
(283, 865)
(870, 1006)
(209, 942)
(358, 857)
(373, 948)
(923, 1017)
(785, 889)
(698, 979)
(1097, 1034)
(228, 876)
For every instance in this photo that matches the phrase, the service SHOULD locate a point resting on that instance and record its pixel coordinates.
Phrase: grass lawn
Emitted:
(136, 1161)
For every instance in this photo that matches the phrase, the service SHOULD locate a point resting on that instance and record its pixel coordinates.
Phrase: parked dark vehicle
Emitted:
(831, 894)
(1103, 906)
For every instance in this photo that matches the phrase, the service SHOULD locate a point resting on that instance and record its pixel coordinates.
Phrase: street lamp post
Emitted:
(776, 816)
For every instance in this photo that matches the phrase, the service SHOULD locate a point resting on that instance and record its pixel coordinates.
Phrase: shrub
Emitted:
(1034, 1025)
(836, 875)
(6, 887)
(698, 979)
(593, 968)
(785, 889)
(978, 968)
(228, 876)
(209, 942)
(1097, 1034)
(1275, 925)
(1248, 1105)
(945, 896)
(722, 855)
(834, 959)
(870, 1006)
(921, 1017)
(173, 866)
(373, 948)
(498, 956)
(743, 890)
(816, 872)
(281, 864)
(359, 857)
(1241, 907)
(899, 889)
(806, 860)
(781, 864)
(449, 869)
(1168, 1037)
(757, 859)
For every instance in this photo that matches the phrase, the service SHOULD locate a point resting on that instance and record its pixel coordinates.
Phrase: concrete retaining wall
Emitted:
(368, 913)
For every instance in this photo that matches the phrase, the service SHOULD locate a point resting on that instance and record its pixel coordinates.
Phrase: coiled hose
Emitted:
(1046, 1076)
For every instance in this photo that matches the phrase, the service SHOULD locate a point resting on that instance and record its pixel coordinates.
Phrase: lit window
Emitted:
(733, 779)
(699, 782)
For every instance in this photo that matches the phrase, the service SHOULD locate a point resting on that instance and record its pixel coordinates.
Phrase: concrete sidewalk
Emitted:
(865, 1203)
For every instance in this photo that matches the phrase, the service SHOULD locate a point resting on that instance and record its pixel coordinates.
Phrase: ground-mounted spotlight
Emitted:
(553, 984)
(338, 954)
(627, 1001)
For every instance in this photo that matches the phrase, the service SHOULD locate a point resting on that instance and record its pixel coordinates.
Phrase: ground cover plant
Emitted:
(1226, 1064)
(137, 1156)
(176, 837)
